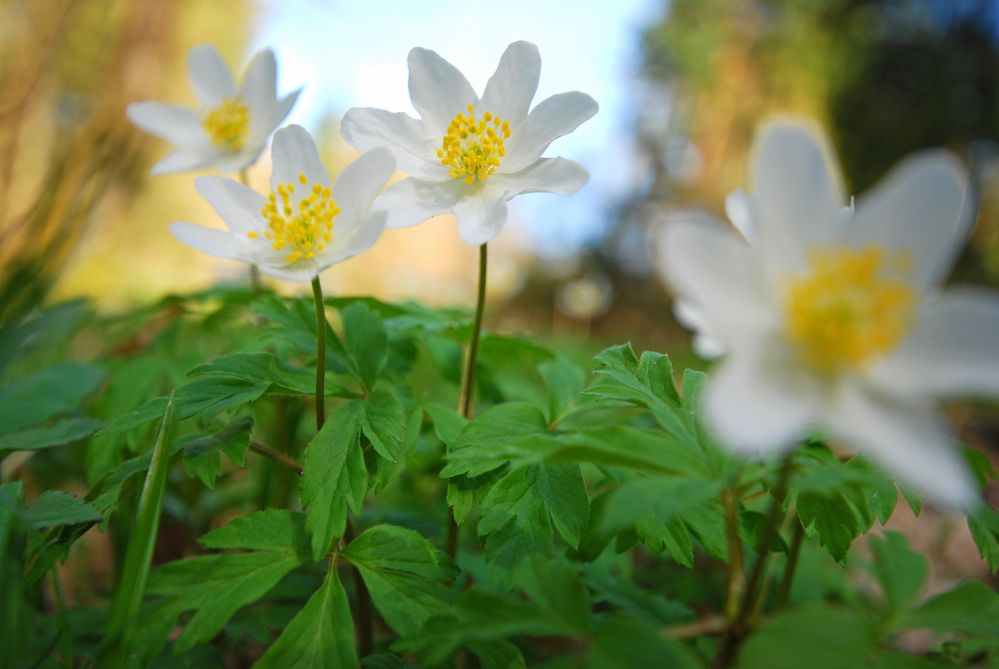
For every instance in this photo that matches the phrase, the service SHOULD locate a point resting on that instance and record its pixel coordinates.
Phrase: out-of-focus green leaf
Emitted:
(984, 526)
(320, 636)
(63, 431)
(36, 398)
(624, 641)
(384, 423)
(816, 636)
(365, 342)
(54, 507)
(201, 456)
(971, 607)
(900, 570)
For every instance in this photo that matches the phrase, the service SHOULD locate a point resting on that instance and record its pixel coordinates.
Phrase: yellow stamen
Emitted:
(227, 124)
(303, 224)
(852, 308)
(471, 149)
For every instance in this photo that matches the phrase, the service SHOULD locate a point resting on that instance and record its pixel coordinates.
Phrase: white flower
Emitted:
(834, 318)
(230, 128)
(304, 225)
(469, 155)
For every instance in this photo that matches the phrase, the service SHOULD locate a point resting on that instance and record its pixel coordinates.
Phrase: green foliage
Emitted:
(590, 505)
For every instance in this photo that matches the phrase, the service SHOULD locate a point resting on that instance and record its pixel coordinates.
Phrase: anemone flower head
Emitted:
(469, 155)
(305, 224)
(832, 317)
(229, 129)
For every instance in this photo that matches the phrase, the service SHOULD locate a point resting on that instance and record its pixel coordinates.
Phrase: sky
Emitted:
(354, 54)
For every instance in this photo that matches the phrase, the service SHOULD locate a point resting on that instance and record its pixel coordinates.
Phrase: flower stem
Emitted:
(794, 552)
(317, 294)
(277, 456)
(365, 620)
(244, 178)
(736, 566)
(466, 398)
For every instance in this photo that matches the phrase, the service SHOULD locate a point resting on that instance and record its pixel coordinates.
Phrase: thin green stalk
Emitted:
(365, 619)
(466, 397)
(317, 293)
(736, 565)
(244, 178)
(67, 658)
(139, 554)
(794, 552)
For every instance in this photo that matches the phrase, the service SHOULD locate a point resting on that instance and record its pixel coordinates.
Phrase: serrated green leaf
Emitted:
(671, 538)
(335, 477)
(900, 570)
(55, 507)
(365, 342)
(43, 395)
(752, 528)
(624, 641)
(405, 574)
(321, 635)
(984, 526)
(64, 431)
(384, 423)
(971, 607)
(817, 636)
(834, 519)
(624, 595)
(564, 381)
(497, 655)
(268, 530)
(557, 589)
(216, 586)
(201, 456)
(667, 497)
(484, 441)
(448, 423)
(259, 366)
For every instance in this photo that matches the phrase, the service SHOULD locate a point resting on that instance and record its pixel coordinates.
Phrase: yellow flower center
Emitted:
(227, 124)
(851, 308)
(472, 147)
(302, 224)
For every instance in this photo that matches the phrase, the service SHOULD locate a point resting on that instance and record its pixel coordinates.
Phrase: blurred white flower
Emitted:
(469, 155)
(230, 128)
(304, 225)
(833, 318)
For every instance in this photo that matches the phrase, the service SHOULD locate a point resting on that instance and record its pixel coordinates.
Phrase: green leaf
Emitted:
(624, 641)
(201, 456)
(36, 398)
(139, 552)
(669, 538)
(54, 507)
(259, 366)
(837, 516)
(387, 661)
(518, 509)
(556, 588)
(448, 423)
(564, 381)
(405, 574)
(216, 586)
(984, 526)
(900, 570)
(268, 530)
(321, 635)
(816, 636)
(499, 426)
(365, 342)
(335, 477)
(971, 607)
(752, 528)
(668, 498)
(63, 431)
(384, 423)
(621, 593)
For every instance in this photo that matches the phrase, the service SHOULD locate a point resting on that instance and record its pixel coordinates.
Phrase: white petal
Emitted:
(408, 140)
(238, 205)
(739, 209)
(412, 201)
(953, 351)
(302, 272)
(548, 175)
(705, 343)
(175, 124)
(510, 90)
(558, 115)
(259, 85)
(436, 87)
(707, 347)
(214, 242)
(909, 440)
(210, 77)
(185, 160)
(796, 192)
(358, 237)
(231, 163)
(715, 272)
(362, 180)
(480, 216)
(758, 399)
(920, 209)
(293, 153)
